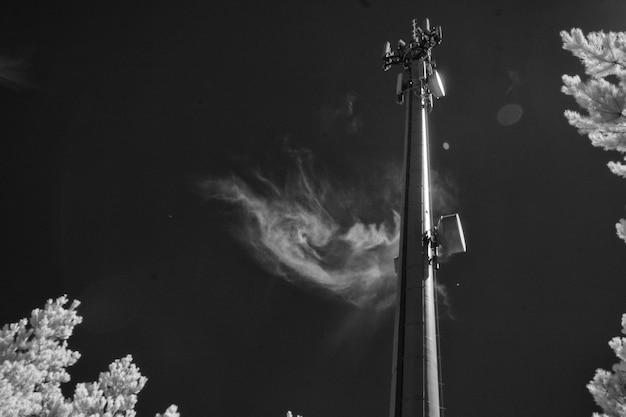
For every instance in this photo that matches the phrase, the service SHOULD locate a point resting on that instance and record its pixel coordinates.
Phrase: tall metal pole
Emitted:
(408, 361)
(415, 370)
(430, 319)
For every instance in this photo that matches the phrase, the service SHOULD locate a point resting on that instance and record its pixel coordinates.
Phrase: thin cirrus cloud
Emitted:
(13, 72)
(342, 116)
(290, 229)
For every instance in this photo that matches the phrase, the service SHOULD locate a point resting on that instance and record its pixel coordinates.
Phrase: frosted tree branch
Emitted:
(609, 388)
(34, 358)
(620, 227)
(603, 55)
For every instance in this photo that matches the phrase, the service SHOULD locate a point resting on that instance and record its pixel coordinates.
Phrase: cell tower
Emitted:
(415, 384)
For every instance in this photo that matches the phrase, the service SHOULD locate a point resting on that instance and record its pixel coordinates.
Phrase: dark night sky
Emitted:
(129, 107)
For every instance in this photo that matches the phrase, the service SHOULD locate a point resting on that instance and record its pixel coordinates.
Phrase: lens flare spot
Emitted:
(446, 146)
(510, 114)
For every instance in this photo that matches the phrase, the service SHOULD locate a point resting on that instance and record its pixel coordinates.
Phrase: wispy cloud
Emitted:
(13, 72)
(291, 231)
(343, 115)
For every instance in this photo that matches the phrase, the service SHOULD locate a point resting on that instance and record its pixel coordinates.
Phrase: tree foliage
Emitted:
(602, 95)
(34, 358)
(609, 388)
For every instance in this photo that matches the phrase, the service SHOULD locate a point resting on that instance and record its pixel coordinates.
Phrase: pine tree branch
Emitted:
(601, 53)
